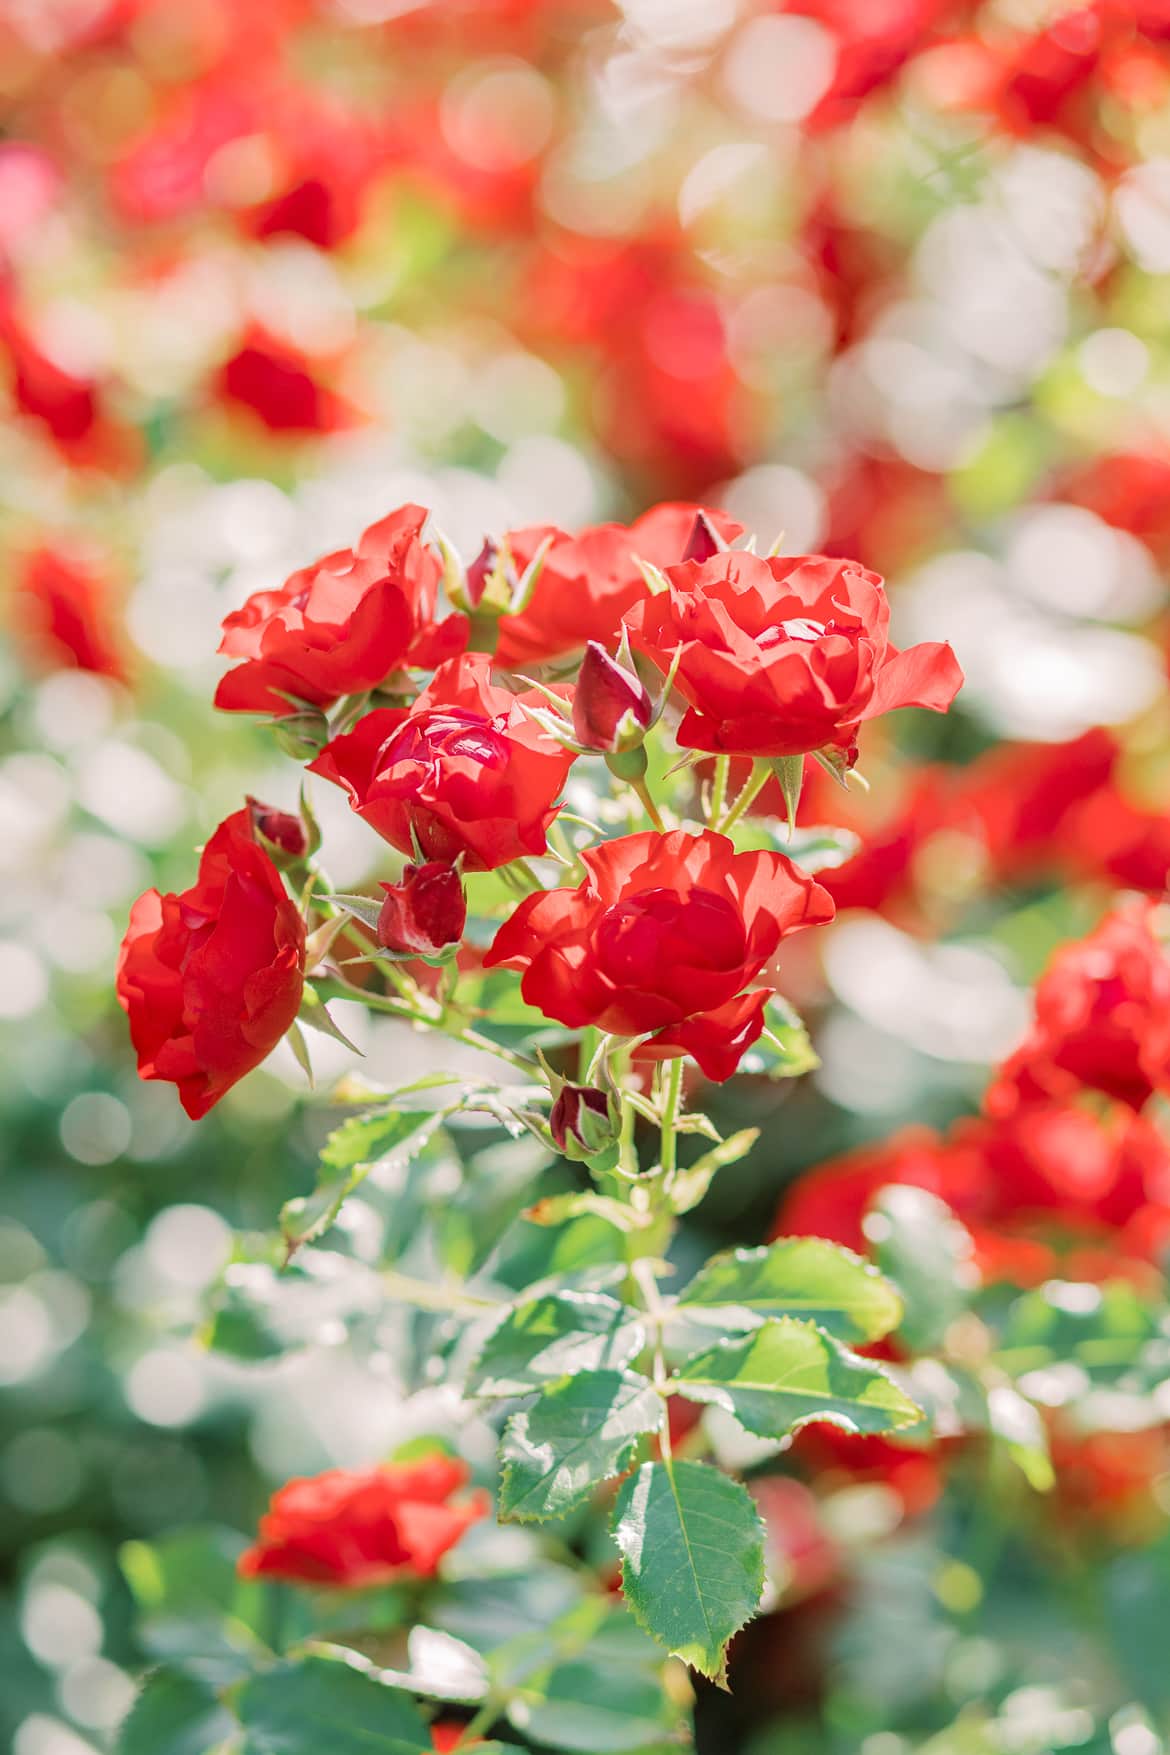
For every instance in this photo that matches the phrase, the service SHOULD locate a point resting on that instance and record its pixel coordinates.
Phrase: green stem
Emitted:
(335, 988)
(427, 1296)
(670, 1108)
(719, 788)
(484, 1719)
(748, 794)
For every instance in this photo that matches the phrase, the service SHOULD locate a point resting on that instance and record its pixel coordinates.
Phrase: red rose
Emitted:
(279, 385)
(1102, 1020)
(211, 979)
(832, 1199)
(359, 1527)
(590, 581)
(662, 938)
(342, 625)
(784, 656)
(424, 912)
(62, 610)
(463, 770)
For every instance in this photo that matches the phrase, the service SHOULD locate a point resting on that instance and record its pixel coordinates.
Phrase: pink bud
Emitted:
(284, 832)
(611, 709)
(423, 913)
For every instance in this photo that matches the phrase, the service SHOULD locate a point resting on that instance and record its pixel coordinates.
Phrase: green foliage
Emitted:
(796, 1276)
(333, 1703)
(174, 1714)
(692, 1558)
(544, 1338)
(786, 1373)
(349, 1154)
(581, 1431)
(1092, 1335)
(927, 1253)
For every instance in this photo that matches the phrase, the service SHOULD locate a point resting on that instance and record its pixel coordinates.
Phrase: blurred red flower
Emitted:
(357, 1528)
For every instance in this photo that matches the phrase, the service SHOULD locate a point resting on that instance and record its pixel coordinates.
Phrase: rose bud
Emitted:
(611, 708)
(282, 835)
(302, 733)
(423, 913)
(704, 540)
(583, 1122)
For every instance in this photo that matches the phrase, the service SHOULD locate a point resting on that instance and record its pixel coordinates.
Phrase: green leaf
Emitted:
(928, 1254)
(690, 1185)
(787, 1373)
(595, 1709)
(692, 1548)
(795, 1276)
(174, 1714)
(350, 1153)
(784, 1051)
(547, 1337)
(1085, 1336)
(258, 1312)
(363, 908)
(819, 848)
(582, 1431)
(324, 1704)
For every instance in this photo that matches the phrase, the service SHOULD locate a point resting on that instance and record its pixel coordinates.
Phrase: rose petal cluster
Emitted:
(1102, 1020)
(342, 626)
(464, 770)
(590, 581)
(666, 938)
(356, 1528)
(783, 656)
(211, 978)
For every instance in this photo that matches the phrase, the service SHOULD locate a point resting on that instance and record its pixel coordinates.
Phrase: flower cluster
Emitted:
(668, 941)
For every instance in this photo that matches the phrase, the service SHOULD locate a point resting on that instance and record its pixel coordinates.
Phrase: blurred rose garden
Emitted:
(586, 1095)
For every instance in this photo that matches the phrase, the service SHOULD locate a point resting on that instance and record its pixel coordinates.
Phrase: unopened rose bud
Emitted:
(283, 835)
(302, 734)
(424, 912)
(704, 540)
(611, 708)
(583, 1122)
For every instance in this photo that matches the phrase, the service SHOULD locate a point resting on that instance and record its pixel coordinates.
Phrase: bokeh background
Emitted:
(891, 277)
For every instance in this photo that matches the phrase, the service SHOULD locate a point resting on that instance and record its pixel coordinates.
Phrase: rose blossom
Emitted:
(355, 1528)
(783, 656)
(341, 626)
(589, 581)
(211, 979)
(464, 770)
(1102, 1020)
(662, 938)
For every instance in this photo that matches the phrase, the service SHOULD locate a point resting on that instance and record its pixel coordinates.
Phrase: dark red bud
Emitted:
(704, 540)
(282, 831)
(582, 1121)
(611, 709)
(425, 912)
(479, 572)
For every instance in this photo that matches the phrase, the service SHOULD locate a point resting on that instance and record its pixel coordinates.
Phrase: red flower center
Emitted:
(642, 941)
(446, 737)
